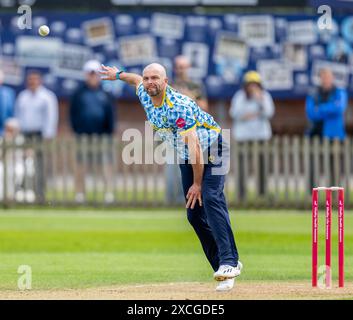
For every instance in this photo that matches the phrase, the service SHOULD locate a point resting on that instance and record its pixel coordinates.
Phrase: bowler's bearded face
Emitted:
(153, 83)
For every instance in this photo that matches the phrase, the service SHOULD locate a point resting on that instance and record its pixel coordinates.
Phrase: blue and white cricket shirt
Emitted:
(176, 115)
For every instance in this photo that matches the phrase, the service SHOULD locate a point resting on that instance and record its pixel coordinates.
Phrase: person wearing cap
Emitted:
(92, 114)
(7, 102)
(36, 109)
(251, 109)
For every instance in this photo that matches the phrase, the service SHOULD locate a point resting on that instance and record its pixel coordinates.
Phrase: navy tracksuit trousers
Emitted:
(211, 221)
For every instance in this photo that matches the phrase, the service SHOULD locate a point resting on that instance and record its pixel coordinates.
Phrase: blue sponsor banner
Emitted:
(288, 51)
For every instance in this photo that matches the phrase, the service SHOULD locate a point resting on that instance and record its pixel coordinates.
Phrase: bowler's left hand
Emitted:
(108, 73)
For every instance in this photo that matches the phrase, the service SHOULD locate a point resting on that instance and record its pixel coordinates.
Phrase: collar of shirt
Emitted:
(40, 90)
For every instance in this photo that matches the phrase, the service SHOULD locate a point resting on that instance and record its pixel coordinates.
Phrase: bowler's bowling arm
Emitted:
(131, 78)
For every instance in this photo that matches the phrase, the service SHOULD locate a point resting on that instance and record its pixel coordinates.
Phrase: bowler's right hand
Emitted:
(194, 195)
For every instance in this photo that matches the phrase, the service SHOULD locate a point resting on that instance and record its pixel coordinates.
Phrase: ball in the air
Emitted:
(43, 30)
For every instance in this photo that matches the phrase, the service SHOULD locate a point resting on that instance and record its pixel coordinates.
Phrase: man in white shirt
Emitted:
(252, 108)
(36, 110)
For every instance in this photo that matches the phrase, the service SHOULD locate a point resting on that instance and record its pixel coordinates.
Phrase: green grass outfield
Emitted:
(81, 249)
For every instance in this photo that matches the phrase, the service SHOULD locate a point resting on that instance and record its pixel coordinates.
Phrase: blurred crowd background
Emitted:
(262, 68)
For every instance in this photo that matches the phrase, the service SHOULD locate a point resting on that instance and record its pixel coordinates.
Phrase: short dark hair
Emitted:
(35, 72)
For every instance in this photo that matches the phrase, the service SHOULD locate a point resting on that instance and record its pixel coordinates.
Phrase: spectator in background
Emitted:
(92, 113)
(325, 109)
(251, 109)
(182, 83)
(7, 101)
(36, 110)
(185, 85)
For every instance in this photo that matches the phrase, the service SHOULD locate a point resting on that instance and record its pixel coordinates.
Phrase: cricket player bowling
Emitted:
(194, 134)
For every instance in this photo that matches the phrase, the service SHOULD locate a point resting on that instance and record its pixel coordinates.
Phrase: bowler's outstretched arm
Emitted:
(110, 73)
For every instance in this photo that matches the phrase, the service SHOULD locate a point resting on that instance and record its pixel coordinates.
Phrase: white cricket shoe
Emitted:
(225, 285)
(227, 272)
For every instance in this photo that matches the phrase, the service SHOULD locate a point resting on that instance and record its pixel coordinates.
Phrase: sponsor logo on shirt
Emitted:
(180, 123)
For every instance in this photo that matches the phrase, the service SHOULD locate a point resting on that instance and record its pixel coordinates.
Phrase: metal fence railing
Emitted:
(276, 173)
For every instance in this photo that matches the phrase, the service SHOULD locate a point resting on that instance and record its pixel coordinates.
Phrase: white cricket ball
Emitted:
(43, 30)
